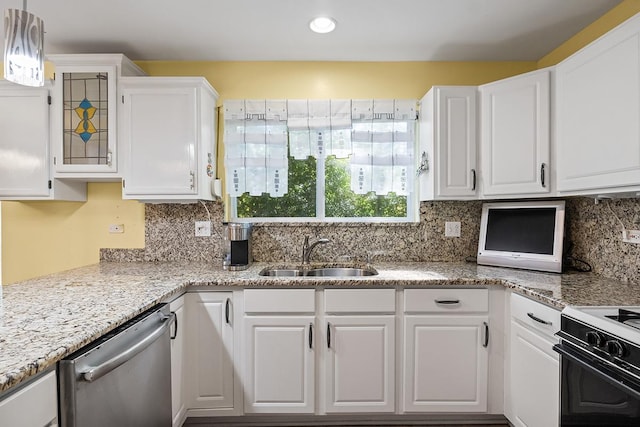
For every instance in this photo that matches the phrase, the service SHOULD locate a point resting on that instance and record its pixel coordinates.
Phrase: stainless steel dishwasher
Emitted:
(122, 379)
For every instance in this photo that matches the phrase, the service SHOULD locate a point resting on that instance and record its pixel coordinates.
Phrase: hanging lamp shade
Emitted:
(23, 48)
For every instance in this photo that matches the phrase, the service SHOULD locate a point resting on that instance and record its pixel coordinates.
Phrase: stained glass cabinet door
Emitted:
(85, 135)
(84, 132)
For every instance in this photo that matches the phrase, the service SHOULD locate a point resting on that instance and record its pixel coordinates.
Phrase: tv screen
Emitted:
(521, 234)
(526, 230)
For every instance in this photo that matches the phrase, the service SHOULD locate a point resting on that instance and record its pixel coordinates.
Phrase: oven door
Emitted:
(594, 393)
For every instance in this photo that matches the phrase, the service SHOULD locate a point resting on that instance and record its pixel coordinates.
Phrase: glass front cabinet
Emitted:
(84, 115)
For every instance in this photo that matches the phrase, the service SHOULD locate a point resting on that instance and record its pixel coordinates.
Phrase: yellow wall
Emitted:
(611, 19)
(39, 238)
(44, 237)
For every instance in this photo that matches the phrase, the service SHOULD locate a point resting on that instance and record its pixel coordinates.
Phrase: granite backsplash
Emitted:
(593, 231)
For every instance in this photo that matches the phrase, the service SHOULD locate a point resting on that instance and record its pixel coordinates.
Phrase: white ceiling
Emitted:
(272, 30)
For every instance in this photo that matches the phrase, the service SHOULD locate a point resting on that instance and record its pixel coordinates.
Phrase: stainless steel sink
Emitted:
(341, 272)
(281, 272)
(318, 272)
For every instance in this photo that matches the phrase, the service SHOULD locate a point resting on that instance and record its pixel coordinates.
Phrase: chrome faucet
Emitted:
(308, 249)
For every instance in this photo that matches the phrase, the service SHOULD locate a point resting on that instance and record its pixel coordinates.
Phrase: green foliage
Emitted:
(340, 201)
(300, 200)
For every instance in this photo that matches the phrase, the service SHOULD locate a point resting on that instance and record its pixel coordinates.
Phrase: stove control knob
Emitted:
(615, 348)
(595, 339)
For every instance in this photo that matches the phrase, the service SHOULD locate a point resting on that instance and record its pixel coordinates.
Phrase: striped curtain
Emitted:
(378, 136)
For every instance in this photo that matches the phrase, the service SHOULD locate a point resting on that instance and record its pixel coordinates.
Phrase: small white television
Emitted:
(526, 235)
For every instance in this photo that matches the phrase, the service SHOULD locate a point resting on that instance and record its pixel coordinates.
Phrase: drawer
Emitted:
(360, 300)
(35, 404)
(446, 300)
(534, 314)
(280, 301)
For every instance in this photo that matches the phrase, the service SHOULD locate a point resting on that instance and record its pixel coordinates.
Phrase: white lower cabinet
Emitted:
(279, 352)
(178, 407)
(279, 364)
(445, 350)
(210, 373)
(360, 367)
(359, 353)
(533, 387)
(35, 404)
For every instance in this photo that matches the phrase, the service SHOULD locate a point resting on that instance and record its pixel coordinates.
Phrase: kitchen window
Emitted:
(320, 160)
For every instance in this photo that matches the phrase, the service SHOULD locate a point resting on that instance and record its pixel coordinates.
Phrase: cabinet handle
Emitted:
(539, 320)
(447, 301)
(109, 158)
(473, 179)
(310, 336)
(542, 170)
(175, 325)
(227, 309)
(192, 179)
(485, 342)
(328, 335)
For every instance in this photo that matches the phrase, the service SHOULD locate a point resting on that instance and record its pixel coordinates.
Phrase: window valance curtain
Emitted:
(377, 136)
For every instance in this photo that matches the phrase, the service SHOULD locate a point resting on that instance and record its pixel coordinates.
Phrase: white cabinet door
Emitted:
(598, 105)
(360, 363)
(25, 158)
(178, 407)
(445, 363)
(515, 135)
(280, 364)
(24, 146)
(168, 129)
(448, 143)
(210, 336)
(534, 379)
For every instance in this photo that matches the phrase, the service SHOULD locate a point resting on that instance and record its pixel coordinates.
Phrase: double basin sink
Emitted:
(319, 272)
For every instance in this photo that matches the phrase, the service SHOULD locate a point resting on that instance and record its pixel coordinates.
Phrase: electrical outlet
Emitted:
(203, 228)
(452, 229)
(116, 228)
(631, 236)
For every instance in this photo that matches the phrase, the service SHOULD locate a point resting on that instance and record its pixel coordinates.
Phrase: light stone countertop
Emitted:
(45, 319)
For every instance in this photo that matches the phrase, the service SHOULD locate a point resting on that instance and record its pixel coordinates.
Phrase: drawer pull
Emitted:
(227, 309)
(310, 335)
(539, 320)
(447, 301)
(328, 335)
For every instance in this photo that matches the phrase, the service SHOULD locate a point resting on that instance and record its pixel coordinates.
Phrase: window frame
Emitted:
(411, 218)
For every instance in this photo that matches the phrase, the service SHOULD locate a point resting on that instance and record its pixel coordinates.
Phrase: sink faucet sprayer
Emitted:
(307, 249)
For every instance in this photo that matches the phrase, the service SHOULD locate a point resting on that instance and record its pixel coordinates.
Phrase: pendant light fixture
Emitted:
(23, 47)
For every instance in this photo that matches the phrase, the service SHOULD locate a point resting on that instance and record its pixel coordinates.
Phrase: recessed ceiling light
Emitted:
(322, 24)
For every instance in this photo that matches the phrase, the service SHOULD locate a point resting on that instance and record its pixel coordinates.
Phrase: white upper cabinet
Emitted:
(84, 115)
(169, 135)
(447, 154)
(515, 136)
(25, 161)
(598, 111)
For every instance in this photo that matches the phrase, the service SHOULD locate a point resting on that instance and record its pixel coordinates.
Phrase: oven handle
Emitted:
(586, 366)
(104, 368)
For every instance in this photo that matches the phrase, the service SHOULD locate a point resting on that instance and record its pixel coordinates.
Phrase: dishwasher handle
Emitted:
(104, 368)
